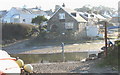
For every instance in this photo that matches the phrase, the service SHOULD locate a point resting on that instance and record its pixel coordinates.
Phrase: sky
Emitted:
(50, 4)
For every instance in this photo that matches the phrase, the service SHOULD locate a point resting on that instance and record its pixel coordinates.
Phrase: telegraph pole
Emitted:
(105, 38)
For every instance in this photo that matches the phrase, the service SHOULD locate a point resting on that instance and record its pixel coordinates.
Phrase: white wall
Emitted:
(28, 17)
(92, 31)
(7, 17)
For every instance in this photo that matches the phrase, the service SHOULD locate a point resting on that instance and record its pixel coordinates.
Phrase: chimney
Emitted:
(63, 5)
(57, 7)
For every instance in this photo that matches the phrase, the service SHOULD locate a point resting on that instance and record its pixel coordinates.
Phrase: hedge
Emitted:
(16, 31)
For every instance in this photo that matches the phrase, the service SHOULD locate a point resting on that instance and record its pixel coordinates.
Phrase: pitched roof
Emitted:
(22, 10)
(88, 15)
(3, 13)
(36, 11)
(78, 17)
(30, 11)
(83, 15)
(99, 16)
(49, 12)
(69, 11)
(106, 15)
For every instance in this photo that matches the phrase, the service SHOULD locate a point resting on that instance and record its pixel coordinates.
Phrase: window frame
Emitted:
(69, 25)
(61, 16)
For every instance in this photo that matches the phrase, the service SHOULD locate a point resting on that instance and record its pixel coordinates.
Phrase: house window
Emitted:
(86, 15)
(69, 25)
(91, 15)
(23, 20)
(61, 15)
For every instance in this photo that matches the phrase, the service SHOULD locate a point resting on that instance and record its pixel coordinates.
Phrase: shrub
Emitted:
(16, 31)
(112, 58)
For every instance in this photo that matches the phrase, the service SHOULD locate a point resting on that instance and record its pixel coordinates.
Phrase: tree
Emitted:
(85, 8)
(39, 19)
(99, 9)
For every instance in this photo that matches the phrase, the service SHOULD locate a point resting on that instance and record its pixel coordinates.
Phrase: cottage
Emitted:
(69, 22)
(92, 18)
(22, 15)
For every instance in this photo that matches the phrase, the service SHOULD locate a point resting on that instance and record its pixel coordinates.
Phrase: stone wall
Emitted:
(77, 32)
(61, 24)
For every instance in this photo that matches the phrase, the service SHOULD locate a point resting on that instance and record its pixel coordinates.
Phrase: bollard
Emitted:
(62, 45)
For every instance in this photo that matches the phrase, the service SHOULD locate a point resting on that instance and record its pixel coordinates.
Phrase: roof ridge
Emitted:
(67, 13)
(27, 10)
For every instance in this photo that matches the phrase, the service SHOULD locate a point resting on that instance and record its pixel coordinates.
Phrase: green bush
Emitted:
(16, 31)
(112, 59)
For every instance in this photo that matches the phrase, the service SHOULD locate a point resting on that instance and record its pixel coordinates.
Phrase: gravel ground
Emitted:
(72, 67)
(61, 67)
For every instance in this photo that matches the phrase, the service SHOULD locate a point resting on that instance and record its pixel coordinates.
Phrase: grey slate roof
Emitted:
(30, 11)
(49, 12)
(78, 18)
(89, 15)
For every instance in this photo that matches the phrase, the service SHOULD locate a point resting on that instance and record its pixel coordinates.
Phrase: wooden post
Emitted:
(105, 39)
(62, 45)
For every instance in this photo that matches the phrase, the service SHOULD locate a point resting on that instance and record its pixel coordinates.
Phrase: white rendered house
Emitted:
(22, 15)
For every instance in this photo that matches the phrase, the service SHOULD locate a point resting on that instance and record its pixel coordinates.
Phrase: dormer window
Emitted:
(74, 14)
(61, 15)
(91, 15)
(86, 15)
